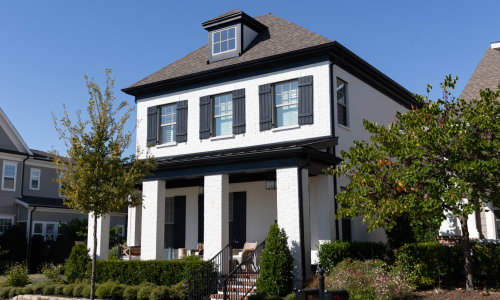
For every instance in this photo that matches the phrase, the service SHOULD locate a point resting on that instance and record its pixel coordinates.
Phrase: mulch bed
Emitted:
(456, 294)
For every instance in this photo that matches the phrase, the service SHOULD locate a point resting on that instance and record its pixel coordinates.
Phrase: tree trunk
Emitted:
(92, 280)
(469, 271)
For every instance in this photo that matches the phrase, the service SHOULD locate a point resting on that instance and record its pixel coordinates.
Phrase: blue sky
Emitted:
(47, 46)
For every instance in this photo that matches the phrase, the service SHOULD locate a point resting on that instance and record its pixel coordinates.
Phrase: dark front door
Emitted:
(239, 218)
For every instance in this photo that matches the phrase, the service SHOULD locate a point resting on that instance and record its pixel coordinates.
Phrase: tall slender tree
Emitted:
(95, 176)
(439, 159)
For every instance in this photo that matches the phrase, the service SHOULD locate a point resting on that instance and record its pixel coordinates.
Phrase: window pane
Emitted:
(223, 46)
(278, 89)
(7, 222)
(169, 109)
(231, 33)
(342, 114)
(294, 96)
(286, 87)
(295, 85)
(216, 37)
(35, 174)
(223, 125)
(340, 98)
(168, 134)
(232, 44)
(34, 184)
(217, 111)
(217, 100)
(229, 98)
(223, 99)
(279, 101)
(217, 48)
(287, 115)
(223, 35)
(38, 228)
(230, 108)
(169, 236)
(8, 183)
(50, 229)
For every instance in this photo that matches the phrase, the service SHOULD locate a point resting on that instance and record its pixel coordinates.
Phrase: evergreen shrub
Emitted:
(14, 240)
(15, 291)
(58, 290)
(76, 265)
(160, 293)
(27, 290)
(86, 292)
(367, 250)
(38, 289)
(104, 291)
(68, 290)
(130, 292)
(4, 292)
(117, 291)
(276, 264)
(178, 291)
(144, 292)
(77, 290)
(48, 289)
(17, 275)
(331, 253)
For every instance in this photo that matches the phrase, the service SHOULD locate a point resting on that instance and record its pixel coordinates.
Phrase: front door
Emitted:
(239, 220)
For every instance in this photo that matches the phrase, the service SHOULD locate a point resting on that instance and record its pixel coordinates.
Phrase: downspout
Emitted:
(29, 246)
(301, 218)
(22, 178)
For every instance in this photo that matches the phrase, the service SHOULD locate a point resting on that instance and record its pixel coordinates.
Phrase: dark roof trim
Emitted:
(27, 201)
(15, 152)
(237, 16)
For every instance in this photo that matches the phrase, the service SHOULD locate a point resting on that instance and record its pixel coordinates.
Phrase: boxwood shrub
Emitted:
(130, 292)
(332, 253)
(104, 290)
(4, 292)
(144, 292)
(27, 290)
(159, 272)
(68, 290)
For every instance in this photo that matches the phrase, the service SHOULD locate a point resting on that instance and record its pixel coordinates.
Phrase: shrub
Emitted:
(130, 292)
(404, 233)
(76, 265)
(4, 292)
(38, 289)
(178, 291)
(68, 290)
(290, 296)
(77, 290)
(15, 291)
(367, 250)
(331, 253)
(117, 291)
(48, 290)
(276, 264)
(104, 290)
(17, 275)
(74, 230)
(27, 290)
(144, 292)
(160, 293)
(114, 253)
(486, 262)
(50, 272)
(58, 290)
(159, 272)
(370, 279)
(86, 292)
(14, 239)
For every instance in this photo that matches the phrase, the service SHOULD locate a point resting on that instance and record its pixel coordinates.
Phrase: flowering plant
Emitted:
(17, 275)
(50, 271)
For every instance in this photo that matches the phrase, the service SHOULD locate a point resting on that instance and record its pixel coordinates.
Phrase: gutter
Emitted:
(301, 218)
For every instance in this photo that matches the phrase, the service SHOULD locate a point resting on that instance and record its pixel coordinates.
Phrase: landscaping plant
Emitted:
(74, 230)
(276, 264)
(130, 292)
(438, 160)
(330, 253)
(94, 176)
(17, 275)
(27, 290)
(76, 265)
(50, 272)
(4, 292)
(160, 293)
(144, 292)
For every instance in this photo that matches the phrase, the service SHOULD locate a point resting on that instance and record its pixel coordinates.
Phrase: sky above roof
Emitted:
(47, 47)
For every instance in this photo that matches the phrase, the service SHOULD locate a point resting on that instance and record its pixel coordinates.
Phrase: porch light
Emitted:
(271, 184)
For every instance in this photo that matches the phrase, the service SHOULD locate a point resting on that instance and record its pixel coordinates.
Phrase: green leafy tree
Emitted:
(95, 176)
(440, 158)
(74, 230)
(276, 264)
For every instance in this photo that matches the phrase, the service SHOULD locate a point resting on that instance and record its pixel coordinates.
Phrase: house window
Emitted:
(223, 114)
(48, 230)
(5, 222)
(342, 102)
(9, 176)
(120, 230)
(169, 223)
(168, 123)
(231, 217)
(286, 99)
(35, 179)
(224, 40)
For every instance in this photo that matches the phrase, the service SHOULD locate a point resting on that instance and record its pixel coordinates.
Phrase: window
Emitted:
(168, 123)
(286, 99)
(224, 40)
(48, 230)
(223, 114)
(342, 102)
(35, 179)
(231, 217)
(5, 222)
(120, 230)
(9, 176)
(169, 223)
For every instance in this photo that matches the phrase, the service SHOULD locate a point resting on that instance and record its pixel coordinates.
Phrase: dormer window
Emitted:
(224, 40)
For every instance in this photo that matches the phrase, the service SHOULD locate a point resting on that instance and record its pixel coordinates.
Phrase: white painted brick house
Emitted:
(260, 111)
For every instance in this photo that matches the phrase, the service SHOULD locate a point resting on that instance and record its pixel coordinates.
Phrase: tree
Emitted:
(95, 176)
(74, 230)
(276, 264)
(440, 158)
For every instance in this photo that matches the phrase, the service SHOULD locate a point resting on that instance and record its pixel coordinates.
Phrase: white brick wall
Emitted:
(253, 136)
(102, 236)
(153, 220)
(216, 206)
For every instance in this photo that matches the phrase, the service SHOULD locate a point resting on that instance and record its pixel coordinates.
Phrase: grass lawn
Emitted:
(31, 276)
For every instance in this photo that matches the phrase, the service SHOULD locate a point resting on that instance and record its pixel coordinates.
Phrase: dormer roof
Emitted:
(486, 75)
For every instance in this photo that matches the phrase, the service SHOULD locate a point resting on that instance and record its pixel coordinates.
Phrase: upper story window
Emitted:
(223, 114)
(224, 40)
(287, 99)
(35, 179)
(168, 123)
(342, 102)
(9, 176)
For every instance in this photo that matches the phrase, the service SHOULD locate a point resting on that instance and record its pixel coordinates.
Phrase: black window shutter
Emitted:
(306, 102)
(205, 117)
(240, 218)
(152, 126)
(179, 222)
(201, 217)
(182, 121)
(265, 107)
(239, 125)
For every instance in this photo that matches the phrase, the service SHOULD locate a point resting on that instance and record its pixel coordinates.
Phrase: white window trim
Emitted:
(215, 117)
(39, 177)
(288, 127)
(7, 217)
(222, 137)
(44, 229)
(275, 106)
(168, 124)
(166, 145)
(348, 121)
(235, 40)
(9, 163)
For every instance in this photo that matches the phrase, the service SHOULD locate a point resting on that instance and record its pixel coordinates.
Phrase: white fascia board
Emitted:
(13, 157)
(21, 202)
(13, 134)
(39, 163)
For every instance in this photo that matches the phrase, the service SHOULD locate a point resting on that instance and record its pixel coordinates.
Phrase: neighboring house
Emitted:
(28, 195)
(242, 129)
(482, 224)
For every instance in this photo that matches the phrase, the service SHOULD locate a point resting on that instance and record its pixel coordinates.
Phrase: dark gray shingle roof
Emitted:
(280, 36)
(233, 11)
(42, 155)
(486, 75)
(45, 202)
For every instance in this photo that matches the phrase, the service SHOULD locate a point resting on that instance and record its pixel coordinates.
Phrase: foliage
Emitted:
(178, 291)
(159, 272)
(27, 290)
(114, 253)
(404, 233)
(68, 290)
(290, 296)
(17, 275)
(15, 291)
(367, 250)
(95, 177)
(331, 253)
(117, 291)
(51, 272)
(160, 293)
(104, 290)
(130, 292)
(14, 239)
(86, 291)
(74, 230)
(276, 264)
(436, 160)
(4, 292)
(59, 289)
(369, 279)
(38, 289)
(144, 292)
(76, 265)
(48, 289)
(486, 261)
(78, 289)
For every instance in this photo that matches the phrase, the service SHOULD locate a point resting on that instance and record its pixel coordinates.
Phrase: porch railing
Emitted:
(243, 278)
(206, 280)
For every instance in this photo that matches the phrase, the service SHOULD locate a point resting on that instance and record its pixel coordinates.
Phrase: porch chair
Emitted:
(198, 251)
(241, 254)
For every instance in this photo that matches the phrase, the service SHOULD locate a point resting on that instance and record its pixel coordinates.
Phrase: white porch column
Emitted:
(450, 226)
(472, 226)
(216, 206)
(134, 226)
(326, 208)
(153, 220)
(102, 236)
(288, 217)
(490, 222)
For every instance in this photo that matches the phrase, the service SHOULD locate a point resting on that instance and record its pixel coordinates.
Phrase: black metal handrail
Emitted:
(244, 277)
(206, 280)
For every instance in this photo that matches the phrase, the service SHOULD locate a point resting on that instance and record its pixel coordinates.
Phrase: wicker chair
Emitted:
(241, 254)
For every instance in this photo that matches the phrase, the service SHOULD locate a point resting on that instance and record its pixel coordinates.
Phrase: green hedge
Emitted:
(159, 272)
(332, 253)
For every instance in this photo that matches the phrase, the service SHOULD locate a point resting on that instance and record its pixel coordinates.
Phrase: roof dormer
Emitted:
(230, 34)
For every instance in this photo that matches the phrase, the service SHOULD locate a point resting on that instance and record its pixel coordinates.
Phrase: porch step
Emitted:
(238, 291)
(221, 296)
